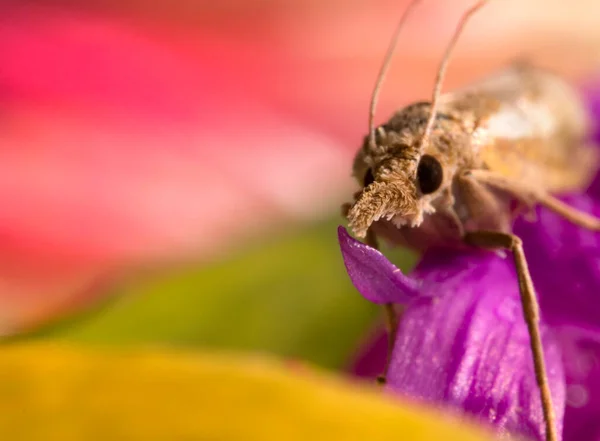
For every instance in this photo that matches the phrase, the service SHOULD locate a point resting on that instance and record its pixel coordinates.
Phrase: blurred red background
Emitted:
(141, 132)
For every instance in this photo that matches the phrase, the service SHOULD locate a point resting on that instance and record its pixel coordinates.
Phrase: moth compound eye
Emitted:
(429, 174)
(369, 178)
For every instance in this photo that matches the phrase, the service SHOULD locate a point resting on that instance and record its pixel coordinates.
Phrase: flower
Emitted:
(462, 341)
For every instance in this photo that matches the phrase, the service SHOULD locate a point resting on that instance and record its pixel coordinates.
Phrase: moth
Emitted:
(459, 169)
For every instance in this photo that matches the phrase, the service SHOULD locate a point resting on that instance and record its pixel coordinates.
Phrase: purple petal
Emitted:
(581, 359)
(463, 342)
(564, 261)
(468, 346)
(375, 277)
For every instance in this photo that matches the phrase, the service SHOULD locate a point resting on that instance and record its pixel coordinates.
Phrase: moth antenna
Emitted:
(387, 61)
(441, 73)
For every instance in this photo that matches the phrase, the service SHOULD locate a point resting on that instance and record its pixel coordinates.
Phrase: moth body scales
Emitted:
(524, 124)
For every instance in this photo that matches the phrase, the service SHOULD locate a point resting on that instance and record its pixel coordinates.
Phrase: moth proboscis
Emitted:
(448, 171)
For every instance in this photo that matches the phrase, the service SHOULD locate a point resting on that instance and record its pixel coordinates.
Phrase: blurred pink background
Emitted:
(136, 132)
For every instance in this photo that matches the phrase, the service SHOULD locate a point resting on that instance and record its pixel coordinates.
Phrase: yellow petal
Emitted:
(58, 393)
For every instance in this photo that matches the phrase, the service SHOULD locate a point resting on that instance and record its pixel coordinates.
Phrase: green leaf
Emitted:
(289, 295)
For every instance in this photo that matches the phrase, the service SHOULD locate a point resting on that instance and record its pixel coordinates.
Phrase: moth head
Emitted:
(400, 165)
(400, 179)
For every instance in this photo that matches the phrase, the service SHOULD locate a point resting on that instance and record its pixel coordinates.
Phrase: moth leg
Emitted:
(345, 209)
(448, 204)
(390, 313)
(495, 240)
(391, 318)
(571, 214)
(534, 195)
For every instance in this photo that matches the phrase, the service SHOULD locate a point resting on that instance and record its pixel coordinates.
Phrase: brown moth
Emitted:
(450, 171)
